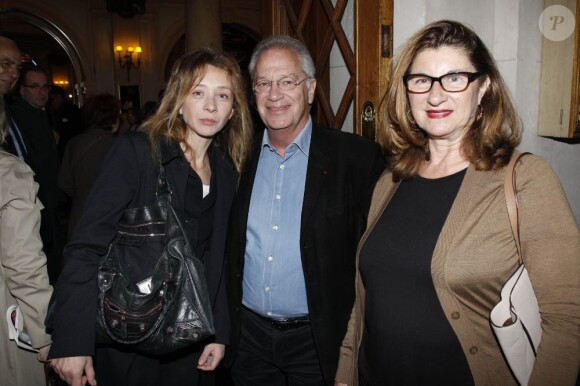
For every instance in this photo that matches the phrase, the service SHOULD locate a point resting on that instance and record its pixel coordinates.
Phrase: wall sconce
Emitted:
(126, 60)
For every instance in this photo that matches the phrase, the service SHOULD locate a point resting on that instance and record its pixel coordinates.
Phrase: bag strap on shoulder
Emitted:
(511, 198)
(163, 190)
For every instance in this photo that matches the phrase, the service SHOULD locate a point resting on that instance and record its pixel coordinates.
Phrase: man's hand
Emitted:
(211, 356)
(76, 371)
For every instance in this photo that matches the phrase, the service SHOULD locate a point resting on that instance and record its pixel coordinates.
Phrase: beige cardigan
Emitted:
(474, 256)
(23, 276)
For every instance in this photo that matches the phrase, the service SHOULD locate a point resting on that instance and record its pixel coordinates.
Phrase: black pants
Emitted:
(114, 368)
(270, 357)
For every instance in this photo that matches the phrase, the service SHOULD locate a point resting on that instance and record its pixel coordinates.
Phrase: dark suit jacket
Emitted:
(342, 171)
(21, 140)
(33, 124)
(128, 179)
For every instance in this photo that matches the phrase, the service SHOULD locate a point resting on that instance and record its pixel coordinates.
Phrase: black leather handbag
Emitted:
(151, 302)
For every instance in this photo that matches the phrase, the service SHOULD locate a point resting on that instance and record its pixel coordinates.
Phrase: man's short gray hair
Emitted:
(285, 43)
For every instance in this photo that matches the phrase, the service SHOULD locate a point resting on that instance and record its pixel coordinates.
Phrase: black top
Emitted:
(407, 339)
(198, 210)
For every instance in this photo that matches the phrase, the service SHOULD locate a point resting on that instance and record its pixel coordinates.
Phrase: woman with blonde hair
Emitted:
(439, 246)
(200, 135)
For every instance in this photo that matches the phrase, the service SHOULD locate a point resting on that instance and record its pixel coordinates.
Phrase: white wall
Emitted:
(510, 29)
(338, 70)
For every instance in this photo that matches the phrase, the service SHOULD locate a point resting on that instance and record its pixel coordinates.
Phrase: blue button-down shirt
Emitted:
(273, 282)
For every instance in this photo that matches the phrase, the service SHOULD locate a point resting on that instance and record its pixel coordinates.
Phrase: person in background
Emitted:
(200, 134)
(29, 114)
(10, 65)
(64, 117)
(148, 110)
(439, 245)
(160, 94)
(23, 275)
(85, 152)
(295, 224)
(130, 117)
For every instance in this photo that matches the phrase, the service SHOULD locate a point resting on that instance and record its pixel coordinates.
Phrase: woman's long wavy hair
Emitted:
(490, 141)
(186, 74)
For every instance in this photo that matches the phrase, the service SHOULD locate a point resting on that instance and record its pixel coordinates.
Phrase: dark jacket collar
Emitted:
(171, 150)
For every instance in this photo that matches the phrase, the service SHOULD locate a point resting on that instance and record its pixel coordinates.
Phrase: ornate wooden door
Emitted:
(319, 24)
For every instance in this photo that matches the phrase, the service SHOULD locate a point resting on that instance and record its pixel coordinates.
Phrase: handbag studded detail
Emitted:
(516, 320)
(170, 309)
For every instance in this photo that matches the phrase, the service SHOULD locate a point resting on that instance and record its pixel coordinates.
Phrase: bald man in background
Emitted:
(10, 67)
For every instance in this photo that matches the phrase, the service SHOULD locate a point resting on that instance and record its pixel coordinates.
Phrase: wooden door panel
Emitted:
(374, 48)
(317, 23)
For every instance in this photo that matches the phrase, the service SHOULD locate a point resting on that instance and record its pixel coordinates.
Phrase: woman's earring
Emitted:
(480, 114)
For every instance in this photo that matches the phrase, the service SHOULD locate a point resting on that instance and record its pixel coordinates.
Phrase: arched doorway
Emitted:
(48, 46)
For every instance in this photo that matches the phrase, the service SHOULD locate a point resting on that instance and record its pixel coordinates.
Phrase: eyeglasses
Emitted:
(453, 82)
(284, 84)
(10, 65)
(37, 87)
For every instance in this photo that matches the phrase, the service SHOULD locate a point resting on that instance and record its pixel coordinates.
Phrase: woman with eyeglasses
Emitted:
(439, 246)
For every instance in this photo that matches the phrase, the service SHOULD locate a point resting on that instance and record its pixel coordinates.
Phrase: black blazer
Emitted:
(33, 124)
(9, 144)
(128, 179)
(342, 171)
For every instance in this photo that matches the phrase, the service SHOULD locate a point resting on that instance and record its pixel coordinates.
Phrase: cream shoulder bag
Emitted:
(516, 320)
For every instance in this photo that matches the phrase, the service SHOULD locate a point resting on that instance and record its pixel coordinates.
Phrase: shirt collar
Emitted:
(169, 150)
(302, 141)
(43, 108)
